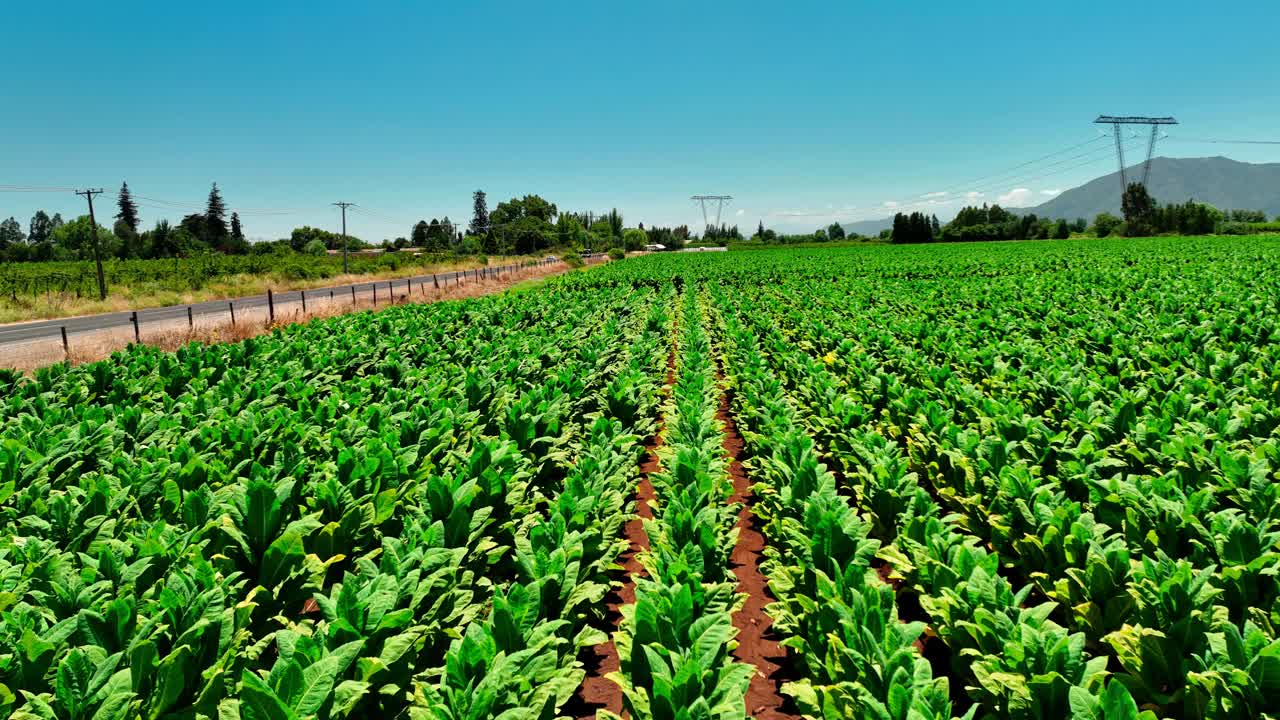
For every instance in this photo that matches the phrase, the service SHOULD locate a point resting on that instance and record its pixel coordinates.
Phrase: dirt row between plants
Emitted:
(598, 692)
(757, 644)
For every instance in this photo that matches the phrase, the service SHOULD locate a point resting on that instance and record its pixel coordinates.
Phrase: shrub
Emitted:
(572, 259)
(616, 254)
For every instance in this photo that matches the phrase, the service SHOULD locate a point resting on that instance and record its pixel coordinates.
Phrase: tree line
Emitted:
(52, 238)
(1142, 216)
(834, 232)
(521, 225)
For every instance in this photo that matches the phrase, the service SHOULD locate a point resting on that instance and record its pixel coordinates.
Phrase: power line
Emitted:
(35, 189)
(1216, 141)
(1013, 178)
(198, 206)
(982, 190)
(1042, 158)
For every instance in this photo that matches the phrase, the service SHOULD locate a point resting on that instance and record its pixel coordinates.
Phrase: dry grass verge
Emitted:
(98, 345)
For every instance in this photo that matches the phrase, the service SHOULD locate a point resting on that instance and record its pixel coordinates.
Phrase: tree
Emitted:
(215, 218)
(1139, 210)
(11, 233)
(418, 236)
(314, 247)
(634, 239)
(128, 210)
(40, 230)
(77, 238)
(131, 245)
(529, 234)
(1247, 216)
(162, 240)
(479, 214)
(835, 231)
(532, 206)
(303, 236)
(437, 237)
(569, 231)
(237, 232)
(194, 225)
(615, 222)
(1061, 231)
(1105, 224)
(914, 228)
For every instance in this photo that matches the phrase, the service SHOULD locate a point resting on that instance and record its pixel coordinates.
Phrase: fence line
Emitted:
(235, 309)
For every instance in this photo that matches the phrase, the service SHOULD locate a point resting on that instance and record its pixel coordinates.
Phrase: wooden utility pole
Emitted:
(344, 206)
(97, 252)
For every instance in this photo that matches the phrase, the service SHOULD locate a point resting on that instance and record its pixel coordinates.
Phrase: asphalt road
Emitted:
(221, 310)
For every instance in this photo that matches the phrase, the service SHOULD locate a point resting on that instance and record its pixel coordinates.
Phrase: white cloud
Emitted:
(740, 212)
(973, 195)
(1017, 197)
(891, 204)
(831, 212)
(932, 195)
(1051, 193)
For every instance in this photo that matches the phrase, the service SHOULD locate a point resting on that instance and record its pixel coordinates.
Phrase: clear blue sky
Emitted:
(804, 111)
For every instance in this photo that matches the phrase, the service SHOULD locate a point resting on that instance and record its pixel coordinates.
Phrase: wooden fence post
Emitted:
(66, 349)
(271, 307)
(232, 307)
(137, 333)
(191, 319)
(304, 302)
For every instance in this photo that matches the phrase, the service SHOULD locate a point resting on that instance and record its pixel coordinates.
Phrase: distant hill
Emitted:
(868, 227)
(1222, 182)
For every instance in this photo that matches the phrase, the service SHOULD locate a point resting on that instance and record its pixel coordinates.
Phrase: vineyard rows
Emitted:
(1021, 481)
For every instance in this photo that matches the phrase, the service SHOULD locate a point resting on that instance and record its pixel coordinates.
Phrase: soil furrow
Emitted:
(598, 692)
(757, 644)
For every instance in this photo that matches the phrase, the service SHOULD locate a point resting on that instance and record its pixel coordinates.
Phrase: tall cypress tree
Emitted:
(128, 210)
(480, 214)
(237, 232)
(215, 217)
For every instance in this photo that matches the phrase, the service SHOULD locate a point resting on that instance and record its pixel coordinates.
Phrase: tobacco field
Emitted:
(1021, 480)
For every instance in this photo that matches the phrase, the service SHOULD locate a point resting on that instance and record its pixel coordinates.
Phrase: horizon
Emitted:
(601, 108)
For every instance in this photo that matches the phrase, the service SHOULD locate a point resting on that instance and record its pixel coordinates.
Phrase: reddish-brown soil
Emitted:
(757, 645)
(598, 692)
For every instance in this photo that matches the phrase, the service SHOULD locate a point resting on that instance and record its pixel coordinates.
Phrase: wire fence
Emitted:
(270, 308)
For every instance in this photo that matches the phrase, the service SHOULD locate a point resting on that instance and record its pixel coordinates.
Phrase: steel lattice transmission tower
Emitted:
(719, 200)
(1115, 122)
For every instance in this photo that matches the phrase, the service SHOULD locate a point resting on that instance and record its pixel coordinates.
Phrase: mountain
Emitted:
(1221, 182)
(869, 228)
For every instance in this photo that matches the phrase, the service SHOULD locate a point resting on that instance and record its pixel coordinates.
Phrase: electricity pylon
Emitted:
(1115, 122)
(719, 200)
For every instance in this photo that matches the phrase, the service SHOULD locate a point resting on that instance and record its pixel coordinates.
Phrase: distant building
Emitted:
(655, 247)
